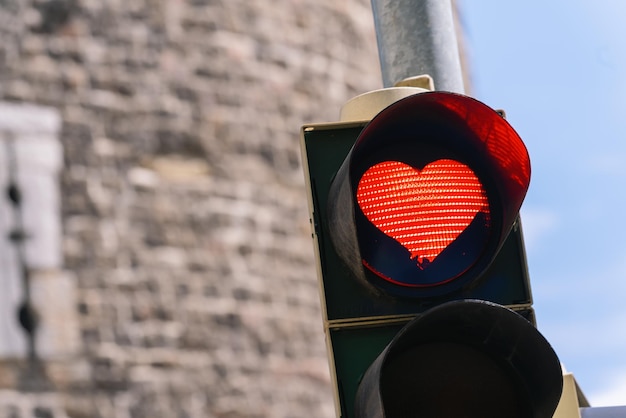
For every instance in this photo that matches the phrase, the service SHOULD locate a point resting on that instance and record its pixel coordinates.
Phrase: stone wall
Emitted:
(183, 210)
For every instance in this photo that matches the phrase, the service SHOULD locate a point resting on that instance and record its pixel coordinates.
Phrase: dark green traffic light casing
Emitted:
(325, 147)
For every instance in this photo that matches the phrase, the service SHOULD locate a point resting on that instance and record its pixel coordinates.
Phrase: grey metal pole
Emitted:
(418, 37)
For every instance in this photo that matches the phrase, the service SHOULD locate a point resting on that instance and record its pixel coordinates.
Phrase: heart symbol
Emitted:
(424, 210)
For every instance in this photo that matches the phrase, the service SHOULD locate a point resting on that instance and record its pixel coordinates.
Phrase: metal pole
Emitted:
(418, 37)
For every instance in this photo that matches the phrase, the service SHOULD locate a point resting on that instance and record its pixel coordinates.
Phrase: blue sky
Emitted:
(558, 68)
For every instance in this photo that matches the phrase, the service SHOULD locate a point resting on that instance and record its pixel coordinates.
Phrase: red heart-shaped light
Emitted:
(424, 210)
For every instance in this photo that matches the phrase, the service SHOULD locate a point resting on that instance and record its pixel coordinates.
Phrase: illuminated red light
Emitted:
(424, 210)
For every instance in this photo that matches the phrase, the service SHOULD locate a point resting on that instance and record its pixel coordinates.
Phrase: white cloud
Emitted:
(608, 164)
(612, 394)
(594, 338)
(537, 223)
(605, 21)
(606, 17)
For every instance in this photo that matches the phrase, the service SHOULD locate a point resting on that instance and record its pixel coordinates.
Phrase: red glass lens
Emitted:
(424, 210)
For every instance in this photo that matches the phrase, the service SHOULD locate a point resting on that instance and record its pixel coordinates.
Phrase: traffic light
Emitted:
(463, 359)
(424, 286)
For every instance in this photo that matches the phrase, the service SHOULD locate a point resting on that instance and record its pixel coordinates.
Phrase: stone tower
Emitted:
(169, 247)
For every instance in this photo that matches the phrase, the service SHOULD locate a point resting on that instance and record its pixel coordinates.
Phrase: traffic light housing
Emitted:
(413, 209)
(463, 359)
(427, 194)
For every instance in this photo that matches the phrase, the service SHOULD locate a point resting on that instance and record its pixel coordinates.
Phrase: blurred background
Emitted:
(155, 144)
(157, 151)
